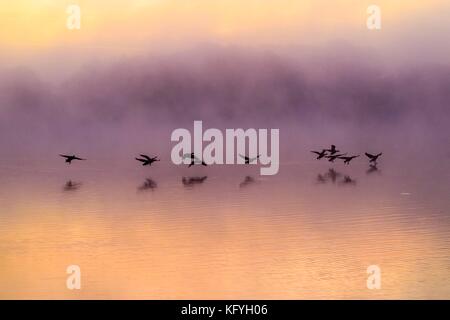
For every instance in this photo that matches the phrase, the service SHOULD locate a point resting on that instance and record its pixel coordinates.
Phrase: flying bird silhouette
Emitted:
(248, 160)
(348, 159)
(69, 159)
(333, 157)
(320, 154)
(146, 160)
(332, 150)
(194, 159)
(373, 158)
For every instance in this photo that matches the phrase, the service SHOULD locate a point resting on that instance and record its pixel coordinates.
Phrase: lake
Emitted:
(147, 233)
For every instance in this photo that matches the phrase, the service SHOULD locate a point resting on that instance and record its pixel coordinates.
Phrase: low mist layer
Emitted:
(224, 88)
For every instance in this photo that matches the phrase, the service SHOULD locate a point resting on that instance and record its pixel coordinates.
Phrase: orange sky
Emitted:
(33, 33)
(114, 23)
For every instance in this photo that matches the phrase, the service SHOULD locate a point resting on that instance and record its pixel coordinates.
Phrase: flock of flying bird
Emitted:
(331, 154)
(147, 161)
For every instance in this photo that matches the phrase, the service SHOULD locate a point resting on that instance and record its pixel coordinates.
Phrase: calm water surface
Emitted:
(293, 235)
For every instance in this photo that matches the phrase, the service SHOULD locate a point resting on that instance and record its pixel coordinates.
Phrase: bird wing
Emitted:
(145, 156)
(188, 155)
(370, 156)
(64, 156)
(76, 158)
(142, 160)
(336, 155)
(243, 157)
(316, 152)
(253, 159)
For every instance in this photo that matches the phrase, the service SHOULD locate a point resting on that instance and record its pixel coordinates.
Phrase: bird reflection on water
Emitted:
(71, 186)
(333, 176)
(373, 169)
(247, 181)
(149, 184)
(190, 181)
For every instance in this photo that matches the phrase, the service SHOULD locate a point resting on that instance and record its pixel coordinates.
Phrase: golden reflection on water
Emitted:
(283, 237)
